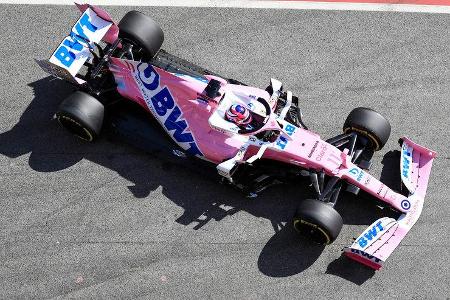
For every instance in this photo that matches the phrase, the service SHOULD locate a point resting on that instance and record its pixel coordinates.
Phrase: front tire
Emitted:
(82, 115)
(370, 124)
(318, 221)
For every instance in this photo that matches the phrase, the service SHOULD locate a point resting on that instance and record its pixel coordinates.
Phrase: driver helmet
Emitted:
(238, 114)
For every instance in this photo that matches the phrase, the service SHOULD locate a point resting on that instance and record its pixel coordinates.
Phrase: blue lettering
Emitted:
(379, 226)
(73, 44)
(65, 56)
(84, 22)
(405, 151)
(163, 101)
(406, 164)
(362, 242)
(360, 176)
(282, 142)
(371, 257)
(354, 171)
(290, 129)
(148, 76)
(371, 233)
(405, 167)
(364, 254)
(80, 32)
(171, 123)
(406, 161)
(357, 172)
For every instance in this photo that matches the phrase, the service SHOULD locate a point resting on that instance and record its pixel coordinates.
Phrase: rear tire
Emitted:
(370, 124)
(318, 221)
(141, 31)
(82, 115)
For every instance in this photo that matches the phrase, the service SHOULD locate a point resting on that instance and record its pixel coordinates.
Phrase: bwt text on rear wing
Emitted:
(93, 26)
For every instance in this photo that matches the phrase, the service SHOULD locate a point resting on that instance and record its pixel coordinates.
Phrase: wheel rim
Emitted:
(137, 46)
(75, 128)
(367, 134)
(313, 231)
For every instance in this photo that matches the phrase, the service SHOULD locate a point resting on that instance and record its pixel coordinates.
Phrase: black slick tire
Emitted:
(370, 124)
(317, 221)
(141, 31)
(82, 115)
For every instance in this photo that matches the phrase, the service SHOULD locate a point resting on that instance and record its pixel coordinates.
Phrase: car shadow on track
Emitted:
(285, 254)
(350, 270)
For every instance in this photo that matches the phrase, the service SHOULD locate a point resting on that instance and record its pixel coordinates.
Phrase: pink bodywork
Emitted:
(300, 147)
(304, 148)
(214, 145)
(178, 103)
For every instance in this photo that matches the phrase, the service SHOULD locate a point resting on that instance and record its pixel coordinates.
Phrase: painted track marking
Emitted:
(422, 6)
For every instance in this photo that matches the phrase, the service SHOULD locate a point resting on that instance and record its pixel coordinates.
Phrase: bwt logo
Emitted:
(406, 164)
(162, 103)
(72, 44)
(366, 255)
(370, 234)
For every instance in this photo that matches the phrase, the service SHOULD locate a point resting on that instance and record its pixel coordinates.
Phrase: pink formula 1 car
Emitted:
(253, 137)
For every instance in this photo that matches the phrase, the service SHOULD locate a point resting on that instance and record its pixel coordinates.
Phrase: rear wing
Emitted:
(380, 239)
(93, 26)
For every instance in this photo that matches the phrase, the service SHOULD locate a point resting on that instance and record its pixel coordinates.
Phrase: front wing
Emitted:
(380, 239)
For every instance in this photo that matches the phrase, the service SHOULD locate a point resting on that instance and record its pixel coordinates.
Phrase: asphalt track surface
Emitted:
(106, 220)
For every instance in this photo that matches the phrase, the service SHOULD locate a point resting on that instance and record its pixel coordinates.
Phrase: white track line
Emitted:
(302, 5)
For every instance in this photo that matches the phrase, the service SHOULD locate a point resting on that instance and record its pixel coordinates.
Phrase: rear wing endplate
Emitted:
(76, 48)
